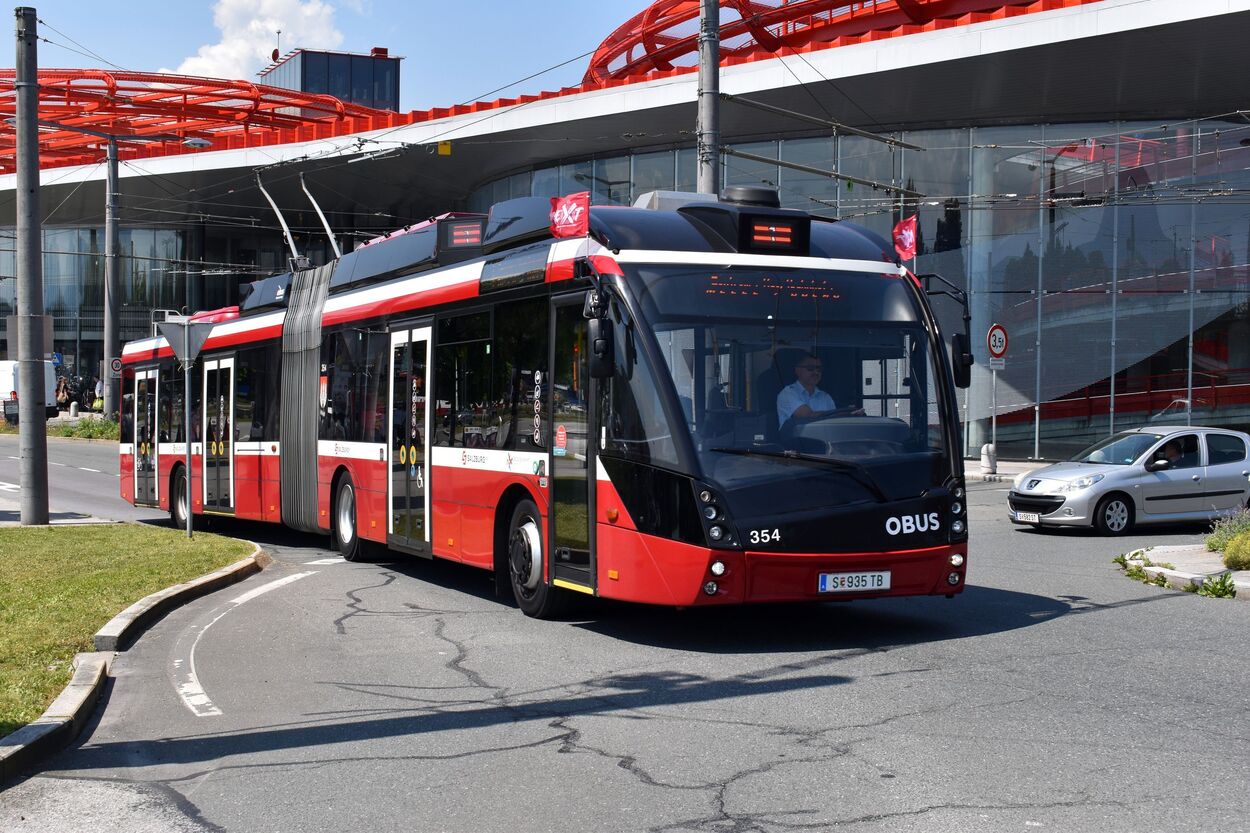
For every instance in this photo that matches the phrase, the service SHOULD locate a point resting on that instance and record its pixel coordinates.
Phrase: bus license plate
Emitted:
(852, 582)
(1028, 517)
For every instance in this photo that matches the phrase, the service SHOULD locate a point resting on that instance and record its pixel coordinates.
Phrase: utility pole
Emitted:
(112, 287)
(30, 347)
(708, 128)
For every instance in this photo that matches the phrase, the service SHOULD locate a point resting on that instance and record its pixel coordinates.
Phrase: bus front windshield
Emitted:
(794, 373)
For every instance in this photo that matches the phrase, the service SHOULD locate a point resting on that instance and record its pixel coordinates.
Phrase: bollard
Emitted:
(989, 459)
(73, 409)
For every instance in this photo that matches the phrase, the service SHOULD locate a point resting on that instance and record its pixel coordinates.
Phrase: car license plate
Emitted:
(852, 582)
(1028, 517)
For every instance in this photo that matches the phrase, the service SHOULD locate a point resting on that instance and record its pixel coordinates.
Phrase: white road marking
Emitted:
(95, 471)
(336, 560)
(186, 681)
(9, 487)
(55, 463)
(273, 585)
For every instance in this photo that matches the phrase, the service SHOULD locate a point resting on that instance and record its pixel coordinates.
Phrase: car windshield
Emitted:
(782, 371)
(1119, 449)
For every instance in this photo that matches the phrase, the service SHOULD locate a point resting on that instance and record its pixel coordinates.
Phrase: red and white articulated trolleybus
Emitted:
(697, 402)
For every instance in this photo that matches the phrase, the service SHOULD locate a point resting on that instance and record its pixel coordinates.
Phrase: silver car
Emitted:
(1147, 475)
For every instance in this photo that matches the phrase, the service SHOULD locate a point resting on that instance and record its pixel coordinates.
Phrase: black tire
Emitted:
(525, 554)
(1114, 515)
(178, 499)
(343, 521)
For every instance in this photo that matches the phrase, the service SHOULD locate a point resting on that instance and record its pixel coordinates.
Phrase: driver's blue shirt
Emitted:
(794, 395)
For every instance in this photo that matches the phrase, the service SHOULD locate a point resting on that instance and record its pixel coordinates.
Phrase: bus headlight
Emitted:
(957, 527)
(716, 533)
(952, 579)
(956, 560)
(710, 588)
(957, 507)
(710, 512)
(705, 496)
(717, 568)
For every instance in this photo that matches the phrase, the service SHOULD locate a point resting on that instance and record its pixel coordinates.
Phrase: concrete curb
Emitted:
(69, 712)
(1192, 576)
(62, 721)
(134, 618)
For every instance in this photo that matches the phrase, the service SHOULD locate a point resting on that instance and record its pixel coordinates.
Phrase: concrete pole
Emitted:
(708, 128)
(112, 287)
(30, 347)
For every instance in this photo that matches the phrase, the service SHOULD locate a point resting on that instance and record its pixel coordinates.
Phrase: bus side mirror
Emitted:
(961, 360)
(602, 349)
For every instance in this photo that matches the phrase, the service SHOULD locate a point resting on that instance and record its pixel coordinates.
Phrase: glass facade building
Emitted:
(370, 80)
(1116, 255)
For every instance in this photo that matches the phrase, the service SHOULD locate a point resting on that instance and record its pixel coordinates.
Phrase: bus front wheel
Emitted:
(533, 594)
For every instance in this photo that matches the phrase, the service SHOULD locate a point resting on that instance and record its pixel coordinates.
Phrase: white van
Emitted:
(8, 389)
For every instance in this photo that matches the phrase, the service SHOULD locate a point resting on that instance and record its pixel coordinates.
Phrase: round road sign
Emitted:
(996, 340)
(116, 365)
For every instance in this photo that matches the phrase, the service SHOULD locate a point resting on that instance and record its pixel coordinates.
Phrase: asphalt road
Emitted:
(320, 695)
(82, 480)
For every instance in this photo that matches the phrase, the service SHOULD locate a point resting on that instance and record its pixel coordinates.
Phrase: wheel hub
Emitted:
(525, 555)
(347, 516)
(1116, 515)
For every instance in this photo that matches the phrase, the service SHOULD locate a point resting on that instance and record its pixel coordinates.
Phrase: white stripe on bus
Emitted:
(490, 459)
(738, 259)
(347, 450)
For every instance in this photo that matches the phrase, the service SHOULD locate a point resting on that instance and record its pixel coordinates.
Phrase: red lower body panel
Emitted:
(641, 568)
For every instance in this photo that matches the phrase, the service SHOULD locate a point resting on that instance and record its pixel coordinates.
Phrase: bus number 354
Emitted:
(765, 536)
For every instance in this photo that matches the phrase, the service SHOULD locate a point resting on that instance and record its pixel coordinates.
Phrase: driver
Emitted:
(802, 399)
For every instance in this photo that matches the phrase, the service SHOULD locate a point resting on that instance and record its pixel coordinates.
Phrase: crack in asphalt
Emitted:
(355, 606)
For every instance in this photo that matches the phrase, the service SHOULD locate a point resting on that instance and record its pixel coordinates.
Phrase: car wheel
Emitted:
(525, 553)
(1114, 515)
(346, 536)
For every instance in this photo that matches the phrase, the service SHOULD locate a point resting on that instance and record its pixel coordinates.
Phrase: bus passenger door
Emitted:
(218, 434)
(408, 524)
(145, 437)
(572, 449)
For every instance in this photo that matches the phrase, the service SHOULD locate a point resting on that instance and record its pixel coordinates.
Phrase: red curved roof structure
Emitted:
(665, 35)
(135, 105)
(662, 40)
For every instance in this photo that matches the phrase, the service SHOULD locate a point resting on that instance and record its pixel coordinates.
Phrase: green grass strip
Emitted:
(59, 585)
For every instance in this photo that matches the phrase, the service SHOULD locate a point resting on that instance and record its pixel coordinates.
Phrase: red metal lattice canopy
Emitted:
(226, 114)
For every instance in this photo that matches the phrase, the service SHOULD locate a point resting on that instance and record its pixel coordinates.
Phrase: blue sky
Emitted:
(453, 51)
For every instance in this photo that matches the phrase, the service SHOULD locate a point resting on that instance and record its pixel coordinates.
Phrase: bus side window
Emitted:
(520, 348)
(462, 381)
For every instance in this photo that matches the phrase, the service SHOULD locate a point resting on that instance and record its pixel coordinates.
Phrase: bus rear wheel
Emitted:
(178, 506)
(343, 526)
(525, 552)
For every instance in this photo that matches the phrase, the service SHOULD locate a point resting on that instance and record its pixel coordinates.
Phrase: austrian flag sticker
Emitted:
(570, 215)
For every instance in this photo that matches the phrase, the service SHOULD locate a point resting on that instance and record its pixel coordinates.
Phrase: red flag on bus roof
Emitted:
(570, 215)
(905, 238)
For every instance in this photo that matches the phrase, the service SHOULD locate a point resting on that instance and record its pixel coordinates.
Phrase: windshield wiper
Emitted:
(862, 475)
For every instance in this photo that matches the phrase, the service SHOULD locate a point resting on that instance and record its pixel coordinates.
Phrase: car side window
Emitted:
(1225, 448)
(1180, 451)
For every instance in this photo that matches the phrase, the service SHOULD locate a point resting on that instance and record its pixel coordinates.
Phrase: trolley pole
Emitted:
(708, 127)
(30, 347)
